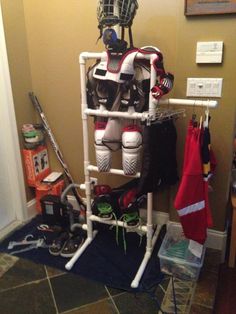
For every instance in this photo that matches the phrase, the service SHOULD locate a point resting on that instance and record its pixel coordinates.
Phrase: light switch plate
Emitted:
(209, 52)
(204, 87)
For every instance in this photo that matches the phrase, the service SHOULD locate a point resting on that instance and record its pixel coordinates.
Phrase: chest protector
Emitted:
(115, 69)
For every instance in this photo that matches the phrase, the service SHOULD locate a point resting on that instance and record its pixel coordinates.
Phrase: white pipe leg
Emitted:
(79, 252)
(149, 221)
(142, 267)
(155, 235)
(85, 144)
(139, 274)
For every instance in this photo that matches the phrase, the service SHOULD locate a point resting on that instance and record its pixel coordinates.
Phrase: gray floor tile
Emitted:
(198, 309)
(72, 291)
(22, 272)
(212, 260)
(103, 307)
(139, 303)
(114, 291)
(6, 262)
(82, 296)
(54, 271)
(206, 288)
(30, 299)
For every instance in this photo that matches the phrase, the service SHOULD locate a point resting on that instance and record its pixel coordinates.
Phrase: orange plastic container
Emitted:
(48, 188)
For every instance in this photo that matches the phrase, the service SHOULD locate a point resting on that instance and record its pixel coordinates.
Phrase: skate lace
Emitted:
(106, 208)
(129, 217)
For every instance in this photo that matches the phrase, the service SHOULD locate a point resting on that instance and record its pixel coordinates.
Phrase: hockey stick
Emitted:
(55, 147)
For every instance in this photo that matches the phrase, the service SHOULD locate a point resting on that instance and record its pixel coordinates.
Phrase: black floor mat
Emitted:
(103, 260)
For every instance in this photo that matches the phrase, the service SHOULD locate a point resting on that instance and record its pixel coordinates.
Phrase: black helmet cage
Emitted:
(113, 12)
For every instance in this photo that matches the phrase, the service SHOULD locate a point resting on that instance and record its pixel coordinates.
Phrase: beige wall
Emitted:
(223, 118)
(58, 30)
(17, 49)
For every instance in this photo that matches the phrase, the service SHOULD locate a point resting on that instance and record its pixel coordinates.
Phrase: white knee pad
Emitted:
(131, 146)
(103, 153)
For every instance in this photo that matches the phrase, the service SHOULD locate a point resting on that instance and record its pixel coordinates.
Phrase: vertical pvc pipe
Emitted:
(149, 221)
(152, 112)
(153, 77)
(86, 145)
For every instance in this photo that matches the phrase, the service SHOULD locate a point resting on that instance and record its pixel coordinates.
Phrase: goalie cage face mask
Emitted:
(113, 12)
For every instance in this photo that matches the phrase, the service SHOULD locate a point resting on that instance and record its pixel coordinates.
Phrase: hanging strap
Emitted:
(131, 38)
(122, 33)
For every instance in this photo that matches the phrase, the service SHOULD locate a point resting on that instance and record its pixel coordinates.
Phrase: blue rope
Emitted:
(174, 296)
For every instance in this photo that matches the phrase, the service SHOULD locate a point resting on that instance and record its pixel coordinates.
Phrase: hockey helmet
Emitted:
(113, 12)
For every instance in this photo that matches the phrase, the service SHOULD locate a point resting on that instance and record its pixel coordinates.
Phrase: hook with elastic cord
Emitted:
(206, 122)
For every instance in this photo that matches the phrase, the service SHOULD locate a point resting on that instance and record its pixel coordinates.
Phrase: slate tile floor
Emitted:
(29, 288)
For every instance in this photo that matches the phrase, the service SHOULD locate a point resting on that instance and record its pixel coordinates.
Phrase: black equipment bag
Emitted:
(53, 211)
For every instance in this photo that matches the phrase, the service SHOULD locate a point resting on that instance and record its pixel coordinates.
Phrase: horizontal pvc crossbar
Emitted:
(116, 223)
(189, 102)
(117, 114)
(98, 55)
(113, 171)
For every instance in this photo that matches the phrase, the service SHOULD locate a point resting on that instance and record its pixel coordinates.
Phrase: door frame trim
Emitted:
(15, 172)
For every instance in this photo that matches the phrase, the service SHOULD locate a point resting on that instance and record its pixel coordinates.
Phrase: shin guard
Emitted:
(131, 146)
(103, 153)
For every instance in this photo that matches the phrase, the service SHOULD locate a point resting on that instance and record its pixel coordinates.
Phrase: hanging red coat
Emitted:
(191, 200)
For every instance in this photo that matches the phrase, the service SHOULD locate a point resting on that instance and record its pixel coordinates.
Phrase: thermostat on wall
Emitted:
(209, 52)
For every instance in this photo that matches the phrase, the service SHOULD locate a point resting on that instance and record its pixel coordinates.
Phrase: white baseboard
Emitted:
(215, 239)
(158, 217)
(10, 228)
(31, 212)
(31, 209)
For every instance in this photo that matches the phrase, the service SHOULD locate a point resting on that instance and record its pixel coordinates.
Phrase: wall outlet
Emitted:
(204, 87)
(94, 181)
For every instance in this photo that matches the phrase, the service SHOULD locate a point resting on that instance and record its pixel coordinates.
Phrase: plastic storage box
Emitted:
(175, 257)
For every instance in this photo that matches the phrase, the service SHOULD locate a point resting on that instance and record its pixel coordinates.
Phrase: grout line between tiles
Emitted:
(57, 275)
(116, 295)
(84, 306)
(203, 305)
(32, 282)
(50, 286)
(24, 284)
(111, 298)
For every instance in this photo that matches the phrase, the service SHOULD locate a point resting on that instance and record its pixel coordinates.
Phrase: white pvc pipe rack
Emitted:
(102, 112)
